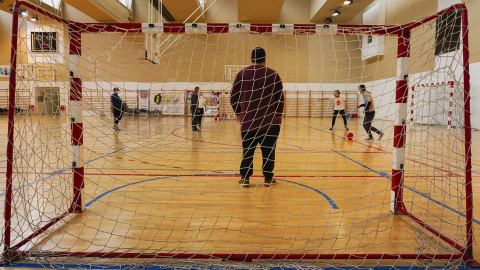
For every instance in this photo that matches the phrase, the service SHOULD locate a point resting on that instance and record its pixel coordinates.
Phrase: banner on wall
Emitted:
(4, 71)
(143, 99)
(173, 102)
(215, 99)
(211, 110)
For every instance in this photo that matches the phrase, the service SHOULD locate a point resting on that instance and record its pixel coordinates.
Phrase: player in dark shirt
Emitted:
(194, 109)
(257, 99)
(116, 106)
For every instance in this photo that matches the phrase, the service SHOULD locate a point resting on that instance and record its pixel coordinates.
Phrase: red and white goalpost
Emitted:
(417, 199)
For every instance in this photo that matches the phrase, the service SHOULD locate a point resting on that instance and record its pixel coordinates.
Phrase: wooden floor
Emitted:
(158, 187)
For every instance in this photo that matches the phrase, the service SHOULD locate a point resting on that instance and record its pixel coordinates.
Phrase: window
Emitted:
(203, 3)
(447, 37)
(126, 3)
(53, 3)
(44, 41)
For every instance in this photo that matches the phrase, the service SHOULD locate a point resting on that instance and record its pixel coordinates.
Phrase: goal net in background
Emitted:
(79, 193)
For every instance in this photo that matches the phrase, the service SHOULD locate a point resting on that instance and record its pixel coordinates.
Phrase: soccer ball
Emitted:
(350, 136)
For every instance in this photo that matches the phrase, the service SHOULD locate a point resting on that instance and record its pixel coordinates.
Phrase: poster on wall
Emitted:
(215, 99)
(143, 99)
(173, 102)
(211, 111)
(4, 71)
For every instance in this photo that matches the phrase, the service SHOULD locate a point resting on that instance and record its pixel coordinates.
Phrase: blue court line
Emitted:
(386, 175)
(41, 179)
(61, 171)
(247, 265)
(330, 201)
(299, 147)
(5, 160)
(106, 155)
(463, 169)
(130, 184)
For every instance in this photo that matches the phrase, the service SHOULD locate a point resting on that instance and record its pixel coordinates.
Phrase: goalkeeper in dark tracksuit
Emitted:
(369, 113)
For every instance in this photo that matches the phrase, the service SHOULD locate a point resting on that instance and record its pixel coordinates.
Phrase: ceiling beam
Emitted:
(322, 9)
(185, 10)
(315, 6)
(102, 10)
(259, 11)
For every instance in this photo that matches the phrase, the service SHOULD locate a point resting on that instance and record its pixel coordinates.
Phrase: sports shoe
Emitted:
(244, 183)
(116, 129)
(269, 182)
(346, 128)
(380, 135)
(369, 139)
(330, 128)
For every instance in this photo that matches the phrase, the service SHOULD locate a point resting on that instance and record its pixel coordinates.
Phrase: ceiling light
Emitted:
(336, 13)
(23, 12)
(348, 2)
(328, 20)
(34, 18)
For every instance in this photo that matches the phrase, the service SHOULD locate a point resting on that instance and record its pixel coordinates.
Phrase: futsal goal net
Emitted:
(78, 192)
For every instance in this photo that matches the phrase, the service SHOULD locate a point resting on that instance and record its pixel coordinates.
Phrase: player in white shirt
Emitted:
(340, 106)
(201, 107)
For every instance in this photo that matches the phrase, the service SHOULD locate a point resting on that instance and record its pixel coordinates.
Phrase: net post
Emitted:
(11, 109)
(78, 202)
(468, 139)
(401, 94)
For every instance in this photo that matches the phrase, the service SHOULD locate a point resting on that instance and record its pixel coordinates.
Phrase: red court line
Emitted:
(235, 175)
(390, 152)
(278, 148)
(189, 139)
(370, 146)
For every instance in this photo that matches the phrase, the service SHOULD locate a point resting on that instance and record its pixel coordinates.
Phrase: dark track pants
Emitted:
(367, 124)
(342, 113)
(268, 141)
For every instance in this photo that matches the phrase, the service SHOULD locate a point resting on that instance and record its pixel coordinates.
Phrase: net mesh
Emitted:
(157, 187)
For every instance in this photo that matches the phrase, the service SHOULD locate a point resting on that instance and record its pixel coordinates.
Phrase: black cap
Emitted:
(258, 55)
(362, 86)
(337, 91)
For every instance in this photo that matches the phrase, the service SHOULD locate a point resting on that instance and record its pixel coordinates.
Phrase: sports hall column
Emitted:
(78, 203)
(403, 57)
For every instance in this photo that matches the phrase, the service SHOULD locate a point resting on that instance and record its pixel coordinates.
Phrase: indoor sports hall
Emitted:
(128, 127)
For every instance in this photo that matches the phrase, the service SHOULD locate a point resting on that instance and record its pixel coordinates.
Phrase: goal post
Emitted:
(65, 152)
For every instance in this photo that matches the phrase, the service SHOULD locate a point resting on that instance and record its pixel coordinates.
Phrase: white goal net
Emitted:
(85, 187)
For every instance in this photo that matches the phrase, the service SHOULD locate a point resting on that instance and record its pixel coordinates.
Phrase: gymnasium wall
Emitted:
(202, 58)
(5, 33)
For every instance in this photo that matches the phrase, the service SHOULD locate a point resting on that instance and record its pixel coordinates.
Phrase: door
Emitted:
(47, 100)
